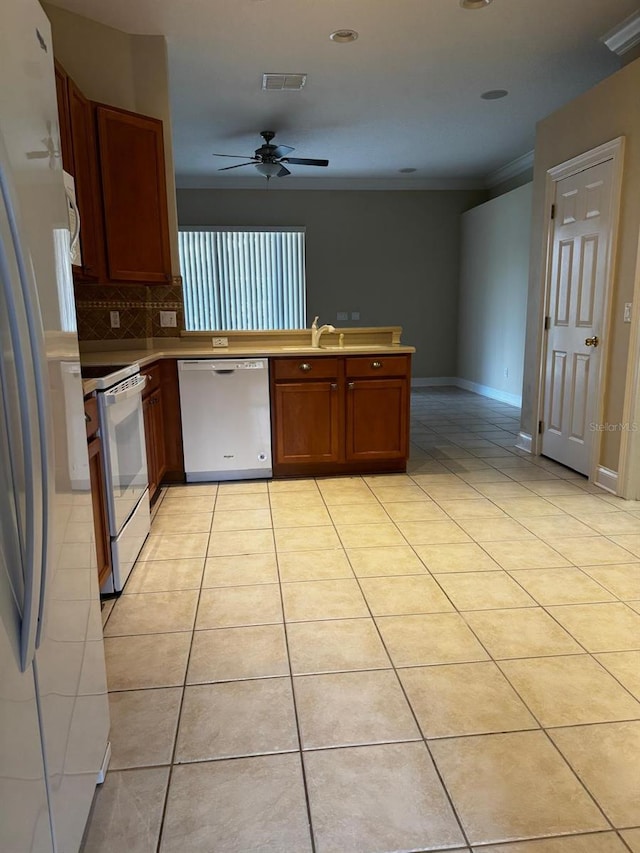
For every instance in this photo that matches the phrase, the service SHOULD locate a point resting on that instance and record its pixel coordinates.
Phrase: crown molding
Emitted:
(625, 36)
(510, 170)
(184, 182)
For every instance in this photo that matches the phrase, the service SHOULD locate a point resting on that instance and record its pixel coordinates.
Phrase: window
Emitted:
(243, 278)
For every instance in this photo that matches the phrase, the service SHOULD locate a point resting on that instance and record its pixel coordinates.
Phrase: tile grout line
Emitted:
(165, 804)
(300, 753)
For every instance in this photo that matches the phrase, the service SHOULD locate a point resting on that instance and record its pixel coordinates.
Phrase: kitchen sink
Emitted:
(336, 347)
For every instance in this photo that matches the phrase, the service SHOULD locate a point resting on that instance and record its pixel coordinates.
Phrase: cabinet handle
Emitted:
(305, 366)
(334, 386)
(87, 418)
(376, 364)
(351, 385)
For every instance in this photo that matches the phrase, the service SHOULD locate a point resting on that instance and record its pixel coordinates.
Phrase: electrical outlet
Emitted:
(627, 311)
(341, 316)
(168, 318)
(355, 315)
(114, 316)
(220, 342)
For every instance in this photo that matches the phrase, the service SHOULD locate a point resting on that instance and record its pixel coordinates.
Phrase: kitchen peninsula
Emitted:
(342, 407)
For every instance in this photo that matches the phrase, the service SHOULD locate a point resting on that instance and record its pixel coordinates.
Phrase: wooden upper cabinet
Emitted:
(132, 168)
(87, 182)
(64, 121)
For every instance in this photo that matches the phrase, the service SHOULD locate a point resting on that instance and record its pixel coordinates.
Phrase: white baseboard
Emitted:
(467, 385)
(607, 479)
(524, 442)
(428, 381)
(487, 391)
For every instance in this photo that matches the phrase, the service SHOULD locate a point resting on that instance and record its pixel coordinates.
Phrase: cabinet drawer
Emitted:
(91, 416)
(301, 367)
(152, 372)
(377, 365)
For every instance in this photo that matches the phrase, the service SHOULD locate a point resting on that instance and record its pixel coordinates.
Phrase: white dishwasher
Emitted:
(226, 422)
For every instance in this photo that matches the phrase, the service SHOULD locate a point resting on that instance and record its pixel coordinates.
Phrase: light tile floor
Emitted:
(448, 659)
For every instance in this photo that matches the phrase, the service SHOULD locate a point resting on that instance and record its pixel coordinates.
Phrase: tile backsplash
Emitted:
(139, 306)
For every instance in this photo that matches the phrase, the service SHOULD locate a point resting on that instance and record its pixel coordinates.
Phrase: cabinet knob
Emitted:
(87, 418)
(305, 366)
(334, 386)
(376, 364)
(351, 385)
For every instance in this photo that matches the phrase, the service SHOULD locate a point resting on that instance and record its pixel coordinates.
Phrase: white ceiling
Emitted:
(405, 94)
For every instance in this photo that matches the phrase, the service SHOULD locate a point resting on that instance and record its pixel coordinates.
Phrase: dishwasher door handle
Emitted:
(219, 371)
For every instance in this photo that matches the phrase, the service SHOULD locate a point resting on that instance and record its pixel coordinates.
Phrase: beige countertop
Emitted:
(365, 341)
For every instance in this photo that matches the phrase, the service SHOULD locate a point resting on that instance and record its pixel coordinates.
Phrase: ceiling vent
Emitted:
(283, 82)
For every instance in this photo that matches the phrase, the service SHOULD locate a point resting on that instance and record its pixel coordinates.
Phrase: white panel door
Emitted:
(576, 303)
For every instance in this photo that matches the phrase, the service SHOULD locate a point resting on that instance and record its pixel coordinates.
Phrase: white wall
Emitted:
(494, 276)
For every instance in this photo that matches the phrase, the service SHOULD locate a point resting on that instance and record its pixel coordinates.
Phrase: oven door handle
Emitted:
(133, 388)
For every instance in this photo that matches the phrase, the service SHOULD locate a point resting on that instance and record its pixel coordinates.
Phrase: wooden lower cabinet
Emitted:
(154, 437)
(377, 419)
(99, 503)
(307, 420)
(162, 425)
(340, 415)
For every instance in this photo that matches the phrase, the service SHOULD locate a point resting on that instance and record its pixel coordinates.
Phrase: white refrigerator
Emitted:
(54, 719)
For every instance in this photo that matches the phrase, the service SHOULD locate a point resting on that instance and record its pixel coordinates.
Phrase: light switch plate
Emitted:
(627, 311)
(114, 317)
(341, 316)
(355, 315)
(168, 318)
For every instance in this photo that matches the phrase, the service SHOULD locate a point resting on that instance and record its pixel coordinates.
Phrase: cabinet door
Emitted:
(62, 95)
(307, 422)
(134, 196)
(99, 501)
(157, 418)
(376, 419)
(88, 193)
(150, 441)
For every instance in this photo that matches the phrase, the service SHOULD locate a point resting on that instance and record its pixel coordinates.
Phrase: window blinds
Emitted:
(243, 279)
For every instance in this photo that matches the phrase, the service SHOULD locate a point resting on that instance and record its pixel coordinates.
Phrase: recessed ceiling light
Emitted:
(407, 171)
(494, 94)
(474, 4)
(344, 36)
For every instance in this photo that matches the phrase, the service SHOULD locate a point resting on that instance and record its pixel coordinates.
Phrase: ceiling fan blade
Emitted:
(299, 161)
(282, 151)
(283, 172)
(237, 166)
(235, 156)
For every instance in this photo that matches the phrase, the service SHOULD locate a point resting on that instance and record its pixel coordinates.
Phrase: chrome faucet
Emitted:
(316, 333)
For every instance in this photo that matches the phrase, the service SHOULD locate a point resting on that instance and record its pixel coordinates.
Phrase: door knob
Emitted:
(592, 342)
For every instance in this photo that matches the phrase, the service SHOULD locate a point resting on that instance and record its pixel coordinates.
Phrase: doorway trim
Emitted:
(629, 468)
(614, 151)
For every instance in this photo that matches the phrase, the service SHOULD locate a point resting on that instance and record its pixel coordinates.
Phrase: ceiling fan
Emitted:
(269, 159)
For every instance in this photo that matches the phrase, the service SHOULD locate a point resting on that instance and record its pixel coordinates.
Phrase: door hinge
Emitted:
(540, 427)
(553, 211)
(547, 323)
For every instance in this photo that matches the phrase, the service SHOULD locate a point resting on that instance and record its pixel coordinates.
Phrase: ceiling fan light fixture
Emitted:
(474, 4)
(269, 170)
(343, 36)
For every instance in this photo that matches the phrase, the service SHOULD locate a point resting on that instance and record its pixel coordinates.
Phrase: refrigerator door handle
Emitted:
(35, 569)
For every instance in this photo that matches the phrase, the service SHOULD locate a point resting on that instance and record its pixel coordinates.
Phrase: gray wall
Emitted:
(391, 255)
(493, 291)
